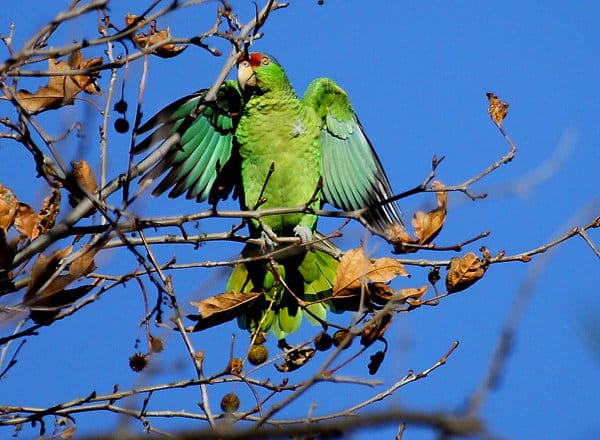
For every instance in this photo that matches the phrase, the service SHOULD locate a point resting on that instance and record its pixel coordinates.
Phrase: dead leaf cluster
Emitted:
(61, 90)
(154, 36)
(23, 217)
(359, 277)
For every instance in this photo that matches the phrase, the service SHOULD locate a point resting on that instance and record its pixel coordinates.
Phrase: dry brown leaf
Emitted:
(8, 207)
(464, 272)
(154, 36)
(46, 97)
(84, 176)
(87, 83)
(412, 295)
(428, 225)
(46, 304)
(45, 309)
(497, 109)
(381, 293)
(68, 433)
(81, 178)
(397, 235)
(352, 268)
(356, 270)
(30, 223)
(221, 308)
(384, 270)
(27, 221)
(375, 329)
(49, 211)
(43, 268)
(295, 359)
(61, 89)
(84, 264)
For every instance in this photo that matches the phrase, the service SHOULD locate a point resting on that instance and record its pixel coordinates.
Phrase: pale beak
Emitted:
(246, 76)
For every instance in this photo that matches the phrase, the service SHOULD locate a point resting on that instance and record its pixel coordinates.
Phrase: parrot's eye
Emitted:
(265, 60)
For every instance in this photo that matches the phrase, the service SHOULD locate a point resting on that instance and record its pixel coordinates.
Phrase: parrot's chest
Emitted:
(280, 156)
(282, 134)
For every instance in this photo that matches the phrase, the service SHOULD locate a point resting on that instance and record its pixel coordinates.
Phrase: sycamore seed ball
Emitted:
(230, 403)
(258, 354)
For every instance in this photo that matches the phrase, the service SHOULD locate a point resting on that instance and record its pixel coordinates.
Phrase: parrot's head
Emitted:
(261, 71)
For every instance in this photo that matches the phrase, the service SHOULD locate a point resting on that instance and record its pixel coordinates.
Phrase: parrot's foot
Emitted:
(304, 233)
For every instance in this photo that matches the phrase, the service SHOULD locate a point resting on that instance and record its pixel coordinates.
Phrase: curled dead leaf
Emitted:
(84, 176)
(464, 272)
(375, 328)
(8, 207)
(27, 221)
(412, 295)
(87, 83)
(62, 89)
(79, 181)
(46, 292)
(84, 264)
(497, 109)
(153, 37)
(49, 211)
(397, 235)
(45, 310)
(428, 225)
(295, 359)
(30, 223)
(221, 308)
(382, 293)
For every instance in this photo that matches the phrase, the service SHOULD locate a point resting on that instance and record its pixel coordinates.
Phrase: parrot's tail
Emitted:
(291, 288)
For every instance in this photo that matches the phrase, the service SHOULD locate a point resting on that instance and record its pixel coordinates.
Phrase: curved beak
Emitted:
(246, 76)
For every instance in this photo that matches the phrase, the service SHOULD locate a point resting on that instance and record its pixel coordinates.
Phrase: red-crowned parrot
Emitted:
(274, 150)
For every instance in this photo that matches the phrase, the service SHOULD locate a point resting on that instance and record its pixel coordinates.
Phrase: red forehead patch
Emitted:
(255, 59)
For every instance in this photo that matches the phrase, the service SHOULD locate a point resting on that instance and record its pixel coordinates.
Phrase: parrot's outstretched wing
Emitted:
(202, 164)
(353, 177)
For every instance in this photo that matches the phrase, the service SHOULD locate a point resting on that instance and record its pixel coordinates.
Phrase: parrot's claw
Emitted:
(269, 245)
(304, 233)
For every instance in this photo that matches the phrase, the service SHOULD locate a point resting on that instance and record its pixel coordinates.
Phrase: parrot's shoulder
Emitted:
(326, 97)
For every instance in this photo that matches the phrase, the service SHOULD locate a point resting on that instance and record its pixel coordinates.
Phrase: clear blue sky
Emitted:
(417, 74)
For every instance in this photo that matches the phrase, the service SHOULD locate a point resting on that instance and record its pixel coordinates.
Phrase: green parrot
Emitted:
(273, 150)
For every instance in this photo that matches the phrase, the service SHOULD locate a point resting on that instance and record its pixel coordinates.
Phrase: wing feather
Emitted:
(205, 147)
(353, 177)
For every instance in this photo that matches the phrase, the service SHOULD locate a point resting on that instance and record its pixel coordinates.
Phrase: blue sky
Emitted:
(417, 74)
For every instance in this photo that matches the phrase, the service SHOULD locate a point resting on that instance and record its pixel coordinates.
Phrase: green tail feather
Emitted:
(309, 275)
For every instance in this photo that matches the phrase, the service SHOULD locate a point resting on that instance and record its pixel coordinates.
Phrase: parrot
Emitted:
(261, 143)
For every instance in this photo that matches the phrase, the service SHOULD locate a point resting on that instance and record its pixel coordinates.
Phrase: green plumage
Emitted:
(275, 151)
